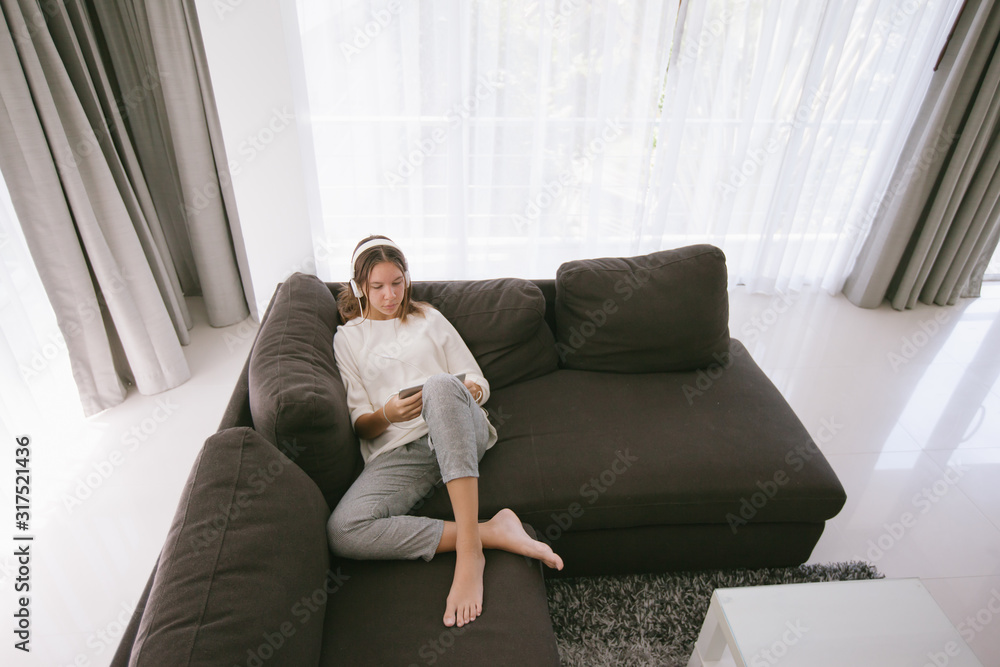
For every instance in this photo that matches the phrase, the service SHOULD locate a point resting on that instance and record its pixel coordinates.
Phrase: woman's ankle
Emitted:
(468, 539)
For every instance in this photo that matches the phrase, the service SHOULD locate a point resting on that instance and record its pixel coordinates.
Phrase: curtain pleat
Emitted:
(145, 154)
(23, 138)
(177, 146)
(85, 234)
(967, 238)
(786, 226)
(958, 220)
(120, 154)
(941, 215)
(112, 172)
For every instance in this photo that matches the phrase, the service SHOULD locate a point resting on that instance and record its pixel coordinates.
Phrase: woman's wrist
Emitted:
(385, 415)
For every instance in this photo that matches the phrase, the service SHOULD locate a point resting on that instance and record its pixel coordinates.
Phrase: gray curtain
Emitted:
(109, 145)
(938, 226)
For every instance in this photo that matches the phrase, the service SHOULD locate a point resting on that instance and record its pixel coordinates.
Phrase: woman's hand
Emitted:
(373, 424)
(398, 409)
(475, 390)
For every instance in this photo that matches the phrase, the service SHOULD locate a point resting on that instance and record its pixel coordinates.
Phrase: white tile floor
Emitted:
(906, 407)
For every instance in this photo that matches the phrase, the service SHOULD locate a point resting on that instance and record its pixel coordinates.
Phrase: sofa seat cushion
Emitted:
(297, 399)
(503, 323)
(581, 450)
(665, 311)
(247, 545)
(389, 613)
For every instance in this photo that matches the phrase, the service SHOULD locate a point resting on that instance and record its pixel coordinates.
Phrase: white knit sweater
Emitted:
(377, 358)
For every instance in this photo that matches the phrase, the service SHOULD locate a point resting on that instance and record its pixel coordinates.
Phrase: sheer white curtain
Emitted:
(503, 138)
(36, 379)
(781, 126)
(487, 138)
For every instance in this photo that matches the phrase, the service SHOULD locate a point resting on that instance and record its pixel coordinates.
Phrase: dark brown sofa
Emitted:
(635, 436)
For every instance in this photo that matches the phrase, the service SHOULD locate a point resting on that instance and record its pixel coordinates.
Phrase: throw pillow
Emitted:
(503, 323)
(246, 547)
(297, 399)
(666, 311)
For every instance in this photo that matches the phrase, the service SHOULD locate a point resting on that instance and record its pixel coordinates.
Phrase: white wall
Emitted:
(255, 63)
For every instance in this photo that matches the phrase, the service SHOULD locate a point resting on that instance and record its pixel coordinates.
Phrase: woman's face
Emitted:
(385, 290)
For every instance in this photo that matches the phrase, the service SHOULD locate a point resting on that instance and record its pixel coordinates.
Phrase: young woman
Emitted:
(409, 442)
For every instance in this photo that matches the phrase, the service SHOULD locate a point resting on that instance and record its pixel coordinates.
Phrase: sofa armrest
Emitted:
(246, 544)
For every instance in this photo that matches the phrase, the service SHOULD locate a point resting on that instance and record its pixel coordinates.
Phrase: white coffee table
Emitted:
(879, 622)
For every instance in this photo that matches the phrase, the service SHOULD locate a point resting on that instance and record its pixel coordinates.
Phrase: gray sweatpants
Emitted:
(371, 521)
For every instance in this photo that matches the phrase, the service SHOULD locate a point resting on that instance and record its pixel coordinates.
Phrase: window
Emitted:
(503, 138)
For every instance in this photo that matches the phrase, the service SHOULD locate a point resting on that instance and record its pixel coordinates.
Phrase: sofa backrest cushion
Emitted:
(246, 546)
(297, 399)
(666, 311)
(503, 323)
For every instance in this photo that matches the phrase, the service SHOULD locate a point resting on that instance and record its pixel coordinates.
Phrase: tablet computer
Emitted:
(410, 391)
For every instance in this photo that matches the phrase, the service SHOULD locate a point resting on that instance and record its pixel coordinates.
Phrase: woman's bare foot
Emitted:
(504, 531)
(465, 600)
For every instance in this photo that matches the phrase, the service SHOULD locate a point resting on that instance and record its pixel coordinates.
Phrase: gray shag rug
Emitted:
(654, 619)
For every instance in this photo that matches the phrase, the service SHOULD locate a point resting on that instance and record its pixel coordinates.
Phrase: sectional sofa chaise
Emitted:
(635, 436)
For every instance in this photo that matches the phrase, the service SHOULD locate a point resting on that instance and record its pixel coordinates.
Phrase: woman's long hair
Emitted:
(351, 306)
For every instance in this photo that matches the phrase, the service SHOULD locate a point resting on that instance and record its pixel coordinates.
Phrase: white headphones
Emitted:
(374, 243)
